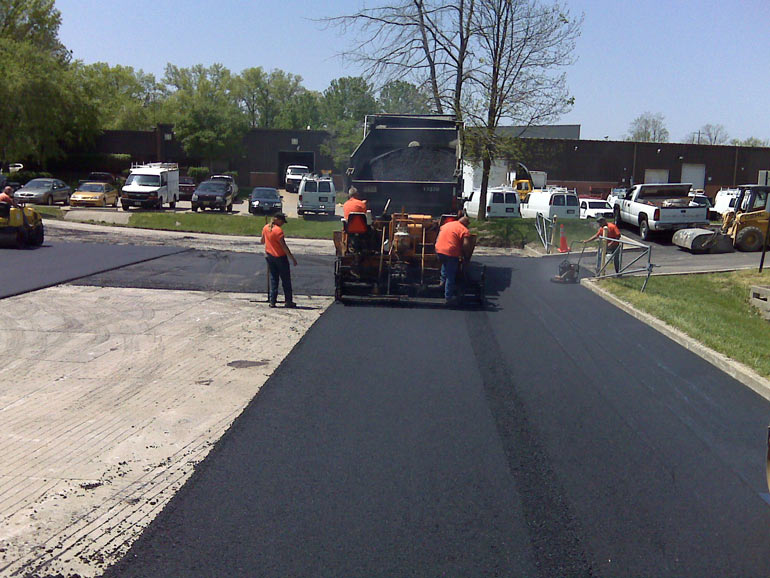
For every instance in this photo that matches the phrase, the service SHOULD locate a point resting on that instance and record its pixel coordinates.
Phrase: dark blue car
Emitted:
(265, 200)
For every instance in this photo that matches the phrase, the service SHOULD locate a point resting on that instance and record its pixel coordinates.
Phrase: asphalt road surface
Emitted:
(54, 263)
(218, 271)
(550, 435)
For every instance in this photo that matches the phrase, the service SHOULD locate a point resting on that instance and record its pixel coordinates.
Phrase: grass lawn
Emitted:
(49, 212)
(519, 232)
(713, 308)
(226, 224)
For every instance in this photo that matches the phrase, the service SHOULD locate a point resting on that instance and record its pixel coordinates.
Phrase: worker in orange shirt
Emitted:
(614, 248)
(7, 197)
(277, 254)
(453, 242)
(354, 204)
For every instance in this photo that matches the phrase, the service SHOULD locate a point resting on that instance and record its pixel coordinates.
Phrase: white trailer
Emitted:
(150, 186)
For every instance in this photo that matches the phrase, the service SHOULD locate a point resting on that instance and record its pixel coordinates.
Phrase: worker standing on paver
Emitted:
(277, 254)
(453, 242)
(614, 248)
(354, 204)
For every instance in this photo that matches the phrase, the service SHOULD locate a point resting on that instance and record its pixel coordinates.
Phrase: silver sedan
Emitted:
(44, 192)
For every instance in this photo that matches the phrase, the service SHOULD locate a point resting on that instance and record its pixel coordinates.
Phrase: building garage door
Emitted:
(695, 174)
(656, 175)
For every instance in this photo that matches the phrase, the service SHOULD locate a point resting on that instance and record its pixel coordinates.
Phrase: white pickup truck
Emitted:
(657, 207)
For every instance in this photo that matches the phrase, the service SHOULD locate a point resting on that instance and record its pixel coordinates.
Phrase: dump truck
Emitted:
(409, 170)
(744, 227)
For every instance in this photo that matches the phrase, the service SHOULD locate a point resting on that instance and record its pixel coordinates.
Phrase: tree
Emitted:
(648, 127)
(343, 107)
(752, 141)
(125, 99)
(301, 111)
(711, 134)
(42, 105)
(205, 111)
(422, 41)
(485, 60)
(517, 47)
(35, 22)
(401, 97)
(262, 96)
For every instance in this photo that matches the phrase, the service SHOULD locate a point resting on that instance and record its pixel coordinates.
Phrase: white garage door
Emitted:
(656, 175)
(695, 174)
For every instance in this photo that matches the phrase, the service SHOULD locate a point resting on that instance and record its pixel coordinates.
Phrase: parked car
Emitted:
(213, 195)
(591, 208)
(294, 174)
(700, 200)
(551, 202)
(500, 201)
(264, 200)
(100, 177)
(94, 194)
(723, 201)
(316, 195)
(228, 179)
(186, 188)
(44, 192)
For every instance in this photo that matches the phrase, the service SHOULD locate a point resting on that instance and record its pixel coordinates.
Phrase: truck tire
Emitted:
(749, 239)
(644, 229)
(172, 204)
(124, 206)
(618, 221)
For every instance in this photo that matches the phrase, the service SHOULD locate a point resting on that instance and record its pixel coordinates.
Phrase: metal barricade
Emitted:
(545, 228)
(636, 265)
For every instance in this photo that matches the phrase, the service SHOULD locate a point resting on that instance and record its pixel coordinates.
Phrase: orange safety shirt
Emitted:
(353, 206)
(4, 198)
(450, 239)
(611, 230)
(272, 235)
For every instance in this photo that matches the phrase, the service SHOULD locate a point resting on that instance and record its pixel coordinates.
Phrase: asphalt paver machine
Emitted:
(394, 259)
(408, 168)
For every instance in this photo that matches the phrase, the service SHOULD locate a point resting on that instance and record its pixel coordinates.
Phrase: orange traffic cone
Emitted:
(563, 248)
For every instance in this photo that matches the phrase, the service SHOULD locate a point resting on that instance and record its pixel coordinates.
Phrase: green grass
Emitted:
(226, 224)
(519, 232)
(712, 308)
(49, 212)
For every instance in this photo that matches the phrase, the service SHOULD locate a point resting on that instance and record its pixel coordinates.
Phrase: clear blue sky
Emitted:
(694, 62)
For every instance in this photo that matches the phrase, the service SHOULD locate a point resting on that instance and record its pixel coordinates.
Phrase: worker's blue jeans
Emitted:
(614, 253)
(449, 267)
(278, 268)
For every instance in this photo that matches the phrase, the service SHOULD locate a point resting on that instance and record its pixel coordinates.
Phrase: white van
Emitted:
(551, 202)
(723, 201)
(316, 195)
(501, 202)
(150, 186)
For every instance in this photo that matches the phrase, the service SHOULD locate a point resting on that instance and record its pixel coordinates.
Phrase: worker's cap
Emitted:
(281, 216)
(601, 220)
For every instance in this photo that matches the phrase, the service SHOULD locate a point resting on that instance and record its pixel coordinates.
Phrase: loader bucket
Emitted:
(703, 241)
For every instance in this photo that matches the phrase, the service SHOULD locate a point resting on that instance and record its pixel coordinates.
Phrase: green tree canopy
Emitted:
(263, 96)
(125, 99)
(42, 105)
(401, 97)
(35, 22)
(204, 109)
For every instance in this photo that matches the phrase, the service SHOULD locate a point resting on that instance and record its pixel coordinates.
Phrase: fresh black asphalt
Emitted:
(195, 270)
(53, 263)
(549, 435)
